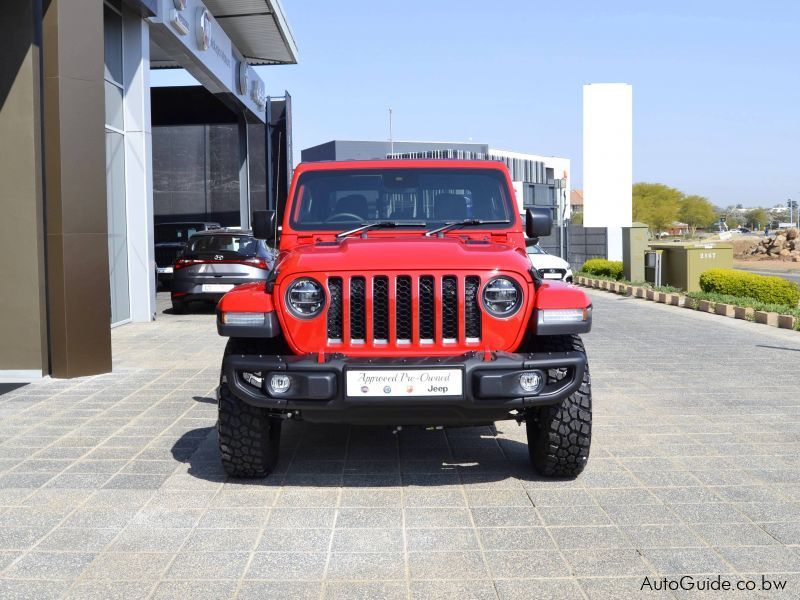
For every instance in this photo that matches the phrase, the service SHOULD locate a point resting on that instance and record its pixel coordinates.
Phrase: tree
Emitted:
(656, 204)
(730, 217)
(577, 217)
(757, 218)
(697, 211)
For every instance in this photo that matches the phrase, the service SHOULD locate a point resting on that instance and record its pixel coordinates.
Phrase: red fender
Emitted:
(248, 297)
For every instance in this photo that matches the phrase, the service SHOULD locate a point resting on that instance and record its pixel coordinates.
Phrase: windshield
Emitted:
(340, 200)
(242, 245)
(535, 250)
(174, 233)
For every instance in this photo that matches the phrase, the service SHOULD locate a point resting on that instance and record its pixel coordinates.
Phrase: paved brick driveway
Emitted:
(110, 486)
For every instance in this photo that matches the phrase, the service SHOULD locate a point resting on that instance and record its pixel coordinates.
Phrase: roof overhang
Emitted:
(257, 28)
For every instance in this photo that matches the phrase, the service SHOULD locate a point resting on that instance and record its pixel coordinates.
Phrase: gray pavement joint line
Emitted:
(85, 500)
(263, 529)
(472, 518)
(406, 556)
(573, 576)
(677, 516)
(324, 586)
(113, 540)
(217, 492)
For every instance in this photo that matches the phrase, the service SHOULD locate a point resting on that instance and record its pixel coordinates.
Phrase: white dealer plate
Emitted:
(404, 382)
(217, 287)
(165, 269)
(552, 275)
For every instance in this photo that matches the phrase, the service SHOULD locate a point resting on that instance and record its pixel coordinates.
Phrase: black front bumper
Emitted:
(490, 388)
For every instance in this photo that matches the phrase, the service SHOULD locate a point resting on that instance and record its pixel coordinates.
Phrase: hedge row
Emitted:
(606, 268)
(771, 290)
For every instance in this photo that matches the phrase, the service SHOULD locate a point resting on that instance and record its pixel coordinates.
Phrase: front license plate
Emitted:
(165, 269)
(404, 382)
(552, 275)
(217, 287)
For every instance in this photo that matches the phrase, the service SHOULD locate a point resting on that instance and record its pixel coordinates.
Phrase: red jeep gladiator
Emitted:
(402, 295)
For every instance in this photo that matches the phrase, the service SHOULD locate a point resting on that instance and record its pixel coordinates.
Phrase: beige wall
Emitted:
(54, 288)
(75, 184)
(23, 331)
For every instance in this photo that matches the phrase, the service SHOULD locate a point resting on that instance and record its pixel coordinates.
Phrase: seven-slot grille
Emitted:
(403, 309)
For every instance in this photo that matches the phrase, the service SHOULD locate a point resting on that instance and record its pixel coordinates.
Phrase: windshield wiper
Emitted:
(463, 223)
(380, 225)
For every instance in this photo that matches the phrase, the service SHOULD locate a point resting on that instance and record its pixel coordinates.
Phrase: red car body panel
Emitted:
(249, 297)
(557, 294)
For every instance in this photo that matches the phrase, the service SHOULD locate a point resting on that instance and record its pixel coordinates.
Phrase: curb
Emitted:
(730, 311)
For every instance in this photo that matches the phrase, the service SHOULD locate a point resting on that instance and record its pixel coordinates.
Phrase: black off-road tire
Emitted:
(559, 436)
(249, 439)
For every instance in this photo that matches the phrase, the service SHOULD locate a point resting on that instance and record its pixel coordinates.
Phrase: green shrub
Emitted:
(601, 266)
(770, 290)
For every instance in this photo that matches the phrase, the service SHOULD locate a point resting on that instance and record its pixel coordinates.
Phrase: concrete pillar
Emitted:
(75, 188)
(23, 318)
(244, 174)
(138, 165)
(608, 160)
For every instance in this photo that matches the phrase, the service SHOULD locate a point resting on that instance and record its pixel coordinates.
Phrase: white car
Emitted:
(551, 267)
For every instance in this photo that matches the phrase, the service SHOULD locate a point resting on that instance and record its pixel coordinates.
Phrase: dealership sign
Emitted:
(189, 33)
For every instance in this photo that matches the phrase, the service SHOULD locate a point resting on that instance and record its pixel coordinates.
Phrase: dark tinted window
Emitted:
(340, 199)
(243, 245)
(165, 234)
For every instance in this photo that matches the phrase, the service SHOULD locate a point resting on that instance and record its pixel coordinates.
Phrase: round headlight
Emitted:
(502, 297)
(305, 298)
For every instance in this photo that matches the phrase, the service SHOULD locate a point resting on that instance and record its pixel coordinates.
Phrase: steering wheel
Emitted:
(343, 216)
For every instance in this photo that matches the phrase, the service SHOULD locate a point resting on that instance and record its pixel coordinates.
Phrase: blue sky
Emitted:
(715, 84)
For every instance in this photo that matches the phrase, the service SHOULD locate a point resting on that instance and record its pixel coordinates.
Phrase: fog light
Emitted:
(280, 383)
(531, 381)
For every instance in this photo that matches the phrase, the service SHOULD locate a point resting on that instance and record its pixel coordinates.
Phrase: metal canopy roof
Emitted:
(258, 29)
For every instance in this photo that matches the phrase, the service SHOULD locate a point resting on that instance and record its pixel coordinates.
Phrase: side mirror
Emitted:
(264, 222)
(538, 222)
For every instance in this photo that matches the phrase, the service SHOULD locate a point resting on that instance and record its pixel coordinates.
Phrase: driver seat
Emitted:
(355, 204)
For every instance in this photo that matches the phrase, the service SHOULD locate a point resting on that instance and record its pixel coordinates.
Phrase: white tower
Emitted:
(608, 160)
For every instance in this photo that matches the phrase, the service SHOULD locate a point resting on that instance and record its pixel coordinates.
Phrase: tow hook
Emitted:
(292, 415)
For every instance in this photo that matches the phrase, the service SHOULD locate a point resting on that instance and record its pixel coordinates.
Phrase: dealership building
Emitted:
(77, 148)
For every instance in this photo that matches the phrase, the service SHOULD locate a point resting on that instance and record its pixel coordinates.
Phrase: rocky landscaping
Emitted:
(783, 245)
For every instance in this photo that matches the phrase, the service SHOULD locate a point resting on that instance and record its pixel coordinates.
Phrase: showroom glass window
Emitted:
(115, 164)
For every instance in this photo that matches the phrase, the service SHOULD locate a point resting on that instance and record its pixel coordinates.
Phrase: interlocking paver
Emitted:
(111, 486)
(367, 540)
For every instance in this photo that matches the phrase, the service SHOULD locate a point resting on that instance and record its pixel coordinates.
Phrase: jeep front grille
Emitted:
(335, 310)
(382, 310)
